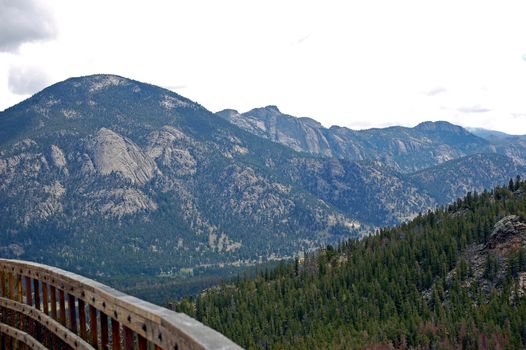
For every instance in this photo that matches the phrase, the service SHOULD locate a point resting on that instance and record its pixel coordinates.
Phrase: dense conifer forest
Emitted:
(417, 285)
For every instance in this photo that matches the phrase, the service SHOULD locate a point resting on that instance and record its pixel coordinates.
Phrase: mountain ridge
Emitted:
(404, 149)
(155, 182)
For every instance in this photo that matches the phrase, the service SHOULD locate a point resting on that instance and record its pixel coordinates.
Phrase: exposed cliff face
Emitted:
(490, 263)
(300, 134)
(404, 149)
(304, 134)
(114, 153)
(509, 234)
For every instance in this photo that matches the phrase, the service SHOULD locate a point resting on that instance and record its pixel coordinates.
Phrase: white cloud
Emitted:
(23, 21)
(357, 61)
(436, 91)
(474, 109)
(25, 80)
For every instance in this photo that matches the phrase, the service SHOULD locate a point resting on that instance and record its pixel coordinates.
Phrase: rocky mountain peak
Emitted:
(508, 233)
(100, 81)
(404, 149)
(264, 112)
(440, 126)
(272, 108)
(227, 111)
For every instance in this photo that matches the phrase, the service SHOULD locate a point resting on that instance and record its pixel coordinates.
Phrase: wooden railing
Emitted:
(42, 307)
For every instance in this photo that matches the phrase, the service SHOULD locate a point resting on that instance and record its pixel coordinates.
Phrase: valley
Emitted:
(118, 179)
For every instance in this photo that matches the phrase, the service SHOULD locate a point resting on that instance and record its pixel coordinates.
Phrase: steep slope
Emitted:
(365, 190)
(513, 146)
(491, 135)
(112, 176)
(449, 279)
(404, 149)
(300, 134)
(453, 179)
(108, 175)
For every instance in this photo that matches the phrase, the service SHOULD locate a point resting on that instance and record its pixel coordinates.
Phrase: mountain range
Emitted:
(405, 150)
(110, 176)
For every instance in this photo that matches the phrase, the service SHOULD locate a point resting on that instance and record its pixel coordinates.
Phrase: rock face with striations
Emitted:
(114, 153)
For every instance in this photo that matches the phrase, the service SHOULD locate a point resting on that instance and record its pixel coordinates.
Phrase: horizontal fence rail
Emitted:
(43, 307)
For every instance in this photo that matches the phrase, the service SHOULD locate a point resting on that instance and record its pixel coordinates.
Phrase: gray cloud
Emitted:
(27, 80)
(473, 109)
(524, 57)
(436, 91)
(24, 21)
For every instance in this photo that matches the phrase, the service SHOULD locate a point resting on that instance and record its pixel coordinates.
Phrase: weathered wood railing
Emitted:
(43, 307)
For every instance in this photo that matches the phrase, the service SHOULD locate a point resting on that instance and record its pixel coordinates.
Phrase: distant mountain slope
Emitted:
(490, 135)
(105, 171)
(453, 179)
(365, 190)
(108, 175)
(450, 279)
(404, 149)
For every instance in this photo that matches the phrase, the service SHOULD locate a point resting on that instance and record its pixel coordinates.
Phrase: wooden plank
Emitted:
(11, 279)
(3, 291)
(62, 304)
(53, 297)
(72, 313)
(82, 319)
(3, 283)
(21, 337)
(93, 329)
(53, 326)
(115, 335)
(45, 298)
(7, 343)
(143, 343)
(104, 334)
(36, 291)
(19, 297)
(11, 293)
(161, 327)
(19, 288)
(56, 343)
(29, 301)
(29, 294)
(129, 342)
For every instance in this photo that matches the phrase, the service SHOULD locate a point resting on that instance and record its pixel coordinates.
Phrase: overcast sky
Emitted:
(359, 64)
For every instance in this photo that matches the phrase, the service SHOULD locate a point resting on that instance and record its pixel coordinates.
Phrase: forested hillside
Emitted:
(453, 278)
